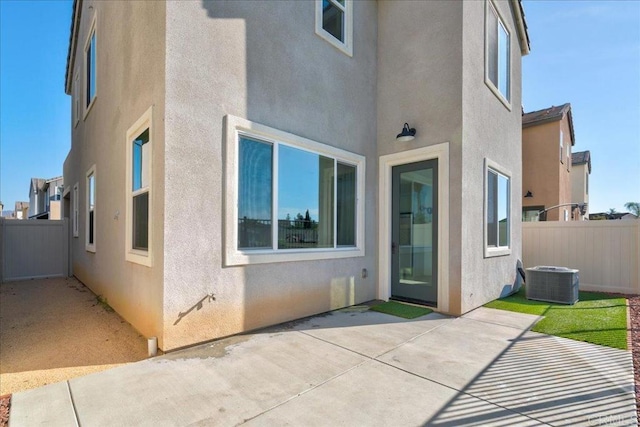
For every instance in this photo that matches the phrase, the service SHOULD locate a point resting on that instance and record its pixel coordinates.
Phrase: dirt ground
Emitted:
(56, 329)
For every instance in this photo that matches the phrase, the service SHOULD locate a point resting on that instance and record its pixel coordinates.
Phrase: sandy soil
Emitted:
(55, 329)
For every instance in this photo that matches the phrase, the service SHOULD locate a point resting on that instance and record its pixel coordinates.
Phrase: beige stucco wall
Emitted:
(420, 82)
(55, 209)
(130, 79)
(579, 179)
(491, 131)
(271, 68)
(543, 174)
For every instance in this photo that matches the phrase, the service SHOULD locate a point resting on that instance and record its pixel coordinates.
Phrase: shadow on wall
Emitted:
(197, 306)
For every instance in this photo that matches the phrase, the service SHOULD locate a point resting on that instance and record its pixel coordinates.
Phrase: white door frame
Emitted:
(386, 164)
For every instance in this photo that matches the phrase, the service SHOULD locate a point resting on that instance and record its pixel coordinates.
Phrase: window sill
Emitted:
(497, 93)
(139, 257)
(89, 107)
(91, 248)
(234, 258)
(345, 48)
(495, 252)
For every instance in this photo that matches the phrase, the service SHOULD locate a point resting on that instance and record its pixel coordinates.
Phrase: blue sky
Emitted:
(583, 52)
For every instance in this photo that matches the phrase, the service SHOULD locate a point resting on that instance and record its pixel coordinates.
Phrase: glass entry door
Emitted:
(414, 250)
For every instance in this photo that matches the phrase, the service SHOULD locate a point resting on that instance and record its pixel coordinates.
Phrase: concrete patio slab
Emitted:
(47, 406)
(375, 394)
(222, 383)
(362, 332)
(324, 371)
(455, 353)
(503, 317)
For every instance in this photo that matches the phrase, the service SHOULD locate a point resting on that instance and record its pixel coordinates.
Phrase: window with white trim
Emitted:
(289, 198)
(139, 146)
(76, 204)
(90, 241)
(90, 67)
(497, 210)
(497, 54)
(334, 23)
(76, 100)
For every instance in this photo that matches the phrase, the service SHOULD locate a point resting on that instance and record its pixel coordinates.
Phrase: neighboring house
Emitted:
(45, 197)
(580, 171)
(275, 123)
(547, 138)
(612, 216)
(21, 210)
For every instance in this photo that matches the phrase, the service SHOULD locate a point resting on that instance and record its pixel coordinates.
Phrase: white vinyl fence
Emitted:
(32, 249)
(607, 253)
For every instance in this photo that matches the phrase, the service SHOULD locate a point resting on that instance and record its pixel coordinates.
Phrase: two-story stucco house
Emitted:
(547, 140)
(235, 164)
(45, 197)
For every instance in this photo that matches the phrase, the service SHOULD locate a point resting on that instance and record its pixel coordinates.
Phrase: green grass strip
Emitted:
(596, 318)
(399, 309)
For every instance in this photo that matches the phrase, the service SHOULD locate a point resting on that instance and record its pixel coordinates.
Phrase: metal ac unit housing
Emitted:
(552, 284)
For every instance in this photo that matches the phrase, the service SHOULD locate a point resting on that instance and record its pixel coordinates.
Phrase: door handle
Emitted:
(393, 248)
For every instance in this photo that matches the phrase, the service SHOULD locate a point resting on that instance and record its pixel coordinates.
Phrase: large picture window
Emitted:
(497, 53)
(294, 198)
(139, 146)
(497, 210)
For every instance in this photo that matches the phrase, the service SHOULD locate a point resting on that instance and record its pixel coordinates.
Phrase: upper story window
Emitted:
(90, 243)
(561, 147)
(90, 61)
(334, 23)
(497, 54)
(289, 198)
(568, 157)
(76, 100)
(497, 210)
(139, 146)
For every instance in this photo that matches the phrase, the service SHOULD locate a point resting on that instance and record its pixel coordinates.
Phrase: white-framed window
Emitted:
(334, 23)
(76, 204)
(497, 199)
(561, 147)
(90, 68)
(497, 54)
(76, 100)
(289, 198)
(139, 145)
(566, 214)
(90, 240)
(568, 157)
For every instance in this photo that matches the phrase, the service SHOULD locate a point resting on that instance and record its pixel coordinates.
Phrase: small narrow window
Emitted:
(561, 147)
(498, 216)
(91, 210)
(497, 52)
(334, 22)
(75, 210)
(139, 191)
(569, 157)
(90, 65)
(76, 100)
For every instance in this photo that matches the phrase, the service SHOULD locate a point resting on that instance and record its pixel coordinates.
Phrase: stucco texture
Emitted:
(271, 68)
(130, 80)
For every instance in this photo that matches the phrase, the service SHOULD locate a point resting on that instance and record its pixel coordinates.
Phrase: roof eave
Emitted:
(73, 39)
(542, 121)
(523, 34)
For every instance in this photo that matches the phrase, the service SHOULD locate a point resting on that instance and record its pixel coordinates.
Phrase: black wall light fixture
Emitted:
(529, 194)
(407, 133)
